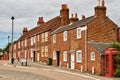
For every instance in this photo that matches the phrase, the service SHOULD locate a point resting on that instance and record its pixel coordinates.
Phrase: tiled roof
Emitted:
(100, 46)
(76, 24)
(41, 28)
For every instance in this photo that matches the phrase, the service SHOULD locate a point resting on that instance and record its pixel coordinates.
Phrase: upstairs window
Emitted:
(65, 56)
(19, 44)
(42, 37)
(78, 33)
(42, 51)
(34, 39)
(79, 56)
(92, 56)
(65, 35)
(31, 40)
(38, 37)
(54, 38)
(46, 36)
(25, 42)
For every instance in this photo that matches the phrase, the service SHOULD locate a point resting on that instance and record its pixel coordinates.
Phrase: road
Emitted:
(41, 72)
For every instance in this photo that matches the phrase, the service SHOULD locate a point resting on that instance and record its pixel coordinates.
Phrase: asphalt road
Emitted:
(35, 71)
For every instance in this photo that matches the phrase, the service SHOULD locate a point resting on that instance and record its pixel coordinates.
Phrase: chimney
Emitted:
(40, 20)
(64, 13)
(83, 17)
(100, 10)
(25, 30)
(73, 18)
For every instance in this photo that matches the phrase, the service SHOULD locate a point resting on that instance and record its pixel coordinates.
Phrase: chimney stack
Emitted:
(40, 20)
(64, 13)
(100, 10)
(83, 17)
(25, 30)
(73, 18)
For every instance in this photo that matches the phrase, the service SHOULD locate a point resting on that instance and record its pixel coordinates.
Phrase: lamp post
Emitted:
(12, 18)
(8, 39)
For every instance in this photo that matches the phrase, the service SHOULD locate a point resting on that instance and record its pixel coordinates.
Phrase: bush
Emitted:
(117, 72)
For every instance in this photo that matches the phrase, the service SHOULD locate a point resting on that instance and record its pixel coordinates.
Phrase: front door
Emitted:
(58, 58)
(72, 61)
(34, 56)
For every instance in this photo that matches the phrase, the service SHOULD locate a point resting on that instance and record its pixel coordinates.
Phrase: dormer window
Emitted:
(65, 35)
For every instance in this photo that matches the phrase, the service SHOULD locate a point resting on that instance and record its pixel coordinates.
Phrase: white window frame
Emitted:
(65, 36)
(14, 46)
(42, 37)
(46, 36)
(38, 37)
(78, 33)
(79, 56)
(25, 42)
(46, 51)
(54, 38)
(92, 56)
(19, 44)
(54, 55)
(31, 53)
(31, 40)
(65, 56)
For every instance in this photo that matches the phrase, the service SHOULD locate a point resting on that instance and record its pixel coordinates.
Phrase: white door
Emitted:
(72, 61)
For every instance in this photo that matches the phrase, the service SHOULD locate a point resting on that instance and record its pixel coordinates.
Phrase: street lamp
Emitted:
(8, 39)
(12, 18)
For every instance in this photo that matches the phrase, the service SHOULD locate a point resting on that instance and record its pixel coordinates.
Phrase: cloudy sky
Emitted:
(26, 13)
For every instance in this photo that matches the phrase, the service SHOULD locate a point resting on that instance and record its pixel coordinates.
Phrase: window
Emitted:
(31, 52)
(46, 51)
(54, 55)
(14, 46)
(65, 35)
(42, 52)
(19, 44)
(42, 37)
(25, 42)
(34, 39)
(54, 38)
(78, 33)
(65, 56)
(31, 40)
(46, 36)
(79, 56)
(92, 55)
(38, 37)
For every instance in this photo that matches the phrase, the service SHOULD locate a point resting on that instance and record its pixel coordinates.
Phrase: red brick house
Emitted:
(81, 44)
(71, 43)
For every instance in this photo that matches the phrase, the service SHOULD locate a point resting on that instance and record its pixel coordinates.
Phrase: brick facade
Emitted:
(74, 53)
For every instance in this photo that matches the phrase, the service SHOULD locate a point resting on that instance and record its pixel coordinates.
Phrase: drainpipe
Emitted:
(85, 48)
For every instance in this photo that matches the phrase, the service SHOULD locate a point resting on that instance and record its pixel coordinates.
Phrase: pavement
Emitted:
(36, 65)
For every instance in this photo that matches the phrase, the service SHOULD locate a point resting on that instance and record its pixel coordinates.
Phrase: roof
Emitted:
(41, 28)
(76, 24)
(100, 46)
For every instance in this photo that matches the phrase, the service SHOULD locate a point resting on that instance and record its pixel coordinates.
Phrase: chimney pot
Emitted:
(76, 15)
(103, 3)
(98, 3)
(83, 17)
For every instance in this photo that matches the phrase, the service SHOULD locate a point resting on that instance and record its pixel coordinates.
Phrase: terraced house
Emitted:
(70, 42)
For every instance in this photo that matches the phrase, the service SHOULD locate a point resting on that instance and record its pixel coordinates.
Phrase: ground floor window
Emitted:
(65, 56)
(54, 55)
(79, 56)
(92, 56)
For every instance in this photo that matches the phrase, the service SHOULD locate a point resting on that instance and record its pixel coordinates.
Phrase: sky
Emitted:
(26, 13)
